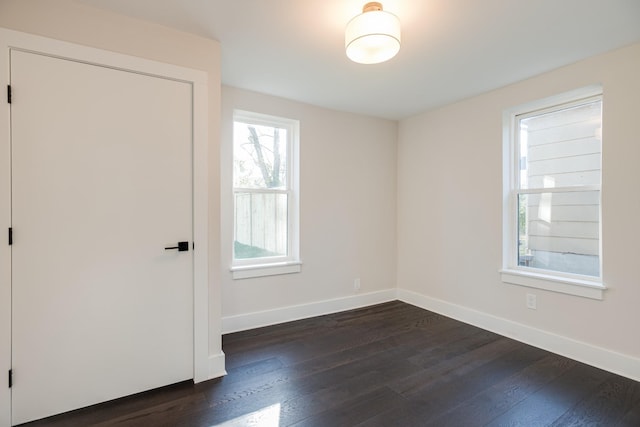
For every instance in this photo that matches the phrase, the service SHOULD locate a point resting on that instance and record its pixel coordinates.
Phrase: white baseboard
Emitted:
(216, 366)
(259, 319)
(602, 358)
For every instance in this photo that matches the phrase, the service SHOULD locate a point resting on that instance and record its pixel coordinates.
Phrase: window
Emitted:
(265, 182)
(553, 151)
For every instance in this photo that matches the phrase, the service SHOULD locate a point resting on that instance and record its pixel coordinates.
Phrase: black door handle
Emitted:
(182, 246)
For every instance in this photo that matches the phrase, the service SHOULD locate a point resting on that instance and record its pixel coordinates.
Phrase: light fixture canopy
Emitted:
(373, 36)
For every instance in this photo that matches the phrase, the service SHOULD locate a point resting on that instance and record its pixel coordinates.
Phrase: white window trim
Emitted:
(260, 270)
(258, 267)
(511, 272)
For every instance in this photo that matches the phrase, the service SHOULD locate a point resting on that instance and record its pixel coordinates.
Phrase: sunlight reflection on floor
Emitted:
(266, 417)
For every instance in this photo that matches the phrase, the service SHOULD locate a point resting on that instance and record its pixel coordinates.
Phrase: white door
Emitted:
(101, 184)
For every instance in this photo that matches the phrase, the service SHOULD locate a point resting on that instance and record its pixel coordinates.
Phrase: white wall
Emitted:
(347, 208)
(447, 164)
(450, 201)
(73, 22)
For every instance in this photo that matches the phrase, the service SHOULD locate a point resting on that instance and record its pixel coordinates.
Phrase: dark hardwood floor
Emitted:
(387, 365)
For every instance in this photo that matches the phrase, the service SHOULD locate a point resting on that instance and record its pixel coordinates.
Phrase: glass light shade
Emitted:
(372, 37)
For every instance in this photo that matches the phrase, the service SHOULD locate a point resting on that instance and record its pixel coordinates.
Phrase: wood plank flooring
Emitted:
(387, 365)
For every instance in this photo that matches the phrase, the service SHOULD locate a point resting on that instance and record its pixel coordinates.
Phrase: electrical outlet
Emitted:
(531, 301)
(356, 285)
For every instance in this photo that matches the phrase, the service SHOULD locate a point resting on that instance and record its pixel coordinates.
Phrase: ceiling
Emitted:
(451, 49)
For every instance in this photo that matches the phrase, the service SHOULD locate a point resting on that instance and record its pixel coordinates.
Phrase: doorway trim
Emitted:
(14, 40)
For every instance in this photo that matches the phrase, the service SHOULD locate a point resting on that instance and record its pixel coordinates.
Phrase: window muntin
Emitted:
(557, 189)
(264, 190)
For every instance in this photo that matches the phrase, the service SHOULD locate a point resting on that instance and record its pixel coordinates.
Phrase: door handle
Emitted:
(182, 247)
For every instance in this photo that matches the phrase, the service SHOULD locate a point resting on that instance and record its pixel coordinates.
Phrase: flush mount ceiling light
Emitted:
(373, 36)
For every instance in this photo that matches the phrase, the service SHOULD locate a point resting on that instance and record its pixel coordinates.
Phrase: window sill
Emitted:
(577, 287)
(260, 270)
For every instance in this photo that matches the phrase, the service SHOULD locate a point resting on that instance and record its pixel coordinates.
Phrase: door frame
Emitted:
(14, 40)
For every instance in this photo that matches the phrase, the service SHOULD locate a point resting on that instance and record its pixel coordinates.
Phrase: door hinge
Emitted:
(9, 94)
(10, 378)
(10, 236)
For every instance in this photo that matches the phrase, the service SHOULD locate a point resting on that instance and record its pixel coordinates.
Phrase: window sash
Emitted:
(290, 255)
(516, 142)
(514, 249)
(288, 152)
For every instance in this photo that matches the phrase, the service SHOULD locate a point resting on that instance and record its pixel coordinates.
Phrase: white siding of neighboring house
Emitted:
(564, 150)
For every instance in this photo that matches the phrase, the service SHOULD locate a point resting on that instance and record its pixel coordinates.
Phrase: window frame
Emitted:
(275, 265)
(512, 273)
